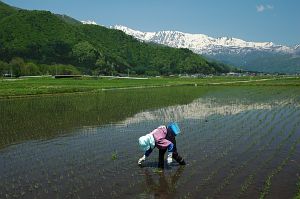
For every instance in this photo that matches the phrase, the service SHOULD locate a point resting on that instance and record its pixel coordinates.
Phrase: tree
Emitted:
(101, 66)
(152, 73)
(32, 69)
(85, 54)
(18, 65)
(4, 68)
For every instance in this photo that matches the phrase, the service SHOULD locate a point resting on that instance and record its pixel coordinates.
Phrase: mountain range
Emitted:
(255, 56)
(41, 38)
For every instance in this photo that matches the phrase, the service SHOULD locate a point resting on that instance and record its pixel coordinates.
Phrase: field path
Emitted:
(189, 84)
(247, 81)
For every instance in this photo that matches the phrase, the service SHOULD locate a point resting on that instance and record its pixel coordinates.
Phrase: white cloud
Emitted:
(261, 8)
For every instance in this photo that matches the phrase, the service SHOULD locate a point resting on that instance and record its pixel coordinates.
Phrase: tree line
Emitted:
(18, 67)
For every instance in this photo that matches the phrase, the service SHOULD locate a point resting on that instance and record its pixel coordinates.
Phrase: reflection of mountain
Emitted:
(203, 108)
(48, 117)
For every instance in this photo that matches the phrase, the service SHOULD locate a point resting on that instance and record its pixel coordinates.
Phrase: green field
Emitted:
(48, 85)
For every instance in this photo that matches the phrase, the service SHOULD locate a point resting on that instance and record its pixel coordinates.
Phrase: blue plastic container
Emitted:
(175, 128)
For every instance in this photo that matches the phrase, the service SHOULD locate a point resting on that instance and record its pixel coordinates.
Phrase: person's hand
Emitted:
(141, 160)
(169, 158)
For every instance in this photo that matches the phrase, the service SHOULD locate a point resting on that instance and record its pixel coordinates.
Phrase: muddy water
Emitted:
(233, 139)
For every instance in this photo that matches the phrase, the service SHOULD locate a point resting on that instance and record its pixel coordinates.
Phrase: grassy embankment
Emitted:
(47, 85)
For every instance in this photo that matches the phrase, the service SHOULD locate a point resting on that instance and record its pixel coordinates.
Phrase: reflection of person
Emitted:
(166, 185)
(163, 138)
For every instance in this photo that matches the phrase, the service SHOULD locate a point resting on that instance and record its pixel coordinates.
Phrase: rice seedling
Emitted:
(226, 181)
(235, 171)
(297, 196)
(114, 155)
(267, 184)
(218, 169)
(249, 179)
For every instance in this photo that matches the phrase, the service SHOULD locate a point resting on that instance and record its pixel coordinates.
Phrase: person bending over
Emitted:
(164, 139)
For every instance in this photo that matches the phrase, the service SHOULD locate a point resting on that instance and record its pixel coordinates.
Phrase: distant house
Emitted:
(6, 75)
(233, 74)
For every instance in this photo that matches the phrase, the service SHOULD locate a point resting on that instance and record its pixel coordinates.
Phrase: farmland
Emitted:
(24, 87)
(239, 140)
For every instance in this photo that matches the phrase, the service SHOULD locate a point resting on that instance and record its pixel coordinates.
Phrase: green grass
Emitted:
(48, 85)
(298, 192)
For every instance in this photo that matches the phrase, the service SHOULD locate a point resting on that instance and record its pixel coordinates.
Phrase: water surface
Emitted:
(85, 146)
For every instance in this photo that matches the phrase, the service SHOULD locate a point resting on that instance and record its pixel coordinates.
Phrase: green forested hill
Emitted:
(6, 10)
(40, 37)
(278, 63)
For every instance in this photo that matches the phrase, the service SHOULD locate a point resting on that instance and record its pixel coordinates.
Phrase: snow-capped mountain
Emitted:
(253, 56)
(89, 22)
(203, 44)
(297, 49)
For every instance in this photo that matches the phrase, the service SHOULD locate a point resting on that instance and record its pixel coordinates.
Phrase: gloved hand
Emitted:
(141, 160)
(169, 158)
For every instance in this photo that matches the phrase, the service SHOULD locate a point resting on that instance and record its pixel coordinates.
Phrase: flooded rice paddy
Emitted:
(238, 142)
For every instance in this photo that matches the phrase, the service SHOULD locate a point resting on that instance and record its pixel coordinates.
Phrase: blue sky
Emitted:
(252, 20)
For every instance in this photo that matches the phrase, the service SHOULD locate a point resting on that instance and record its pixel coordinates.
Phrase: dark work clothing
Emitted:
(161, 158)
(171, 137)
(170, 149)
(148, 152)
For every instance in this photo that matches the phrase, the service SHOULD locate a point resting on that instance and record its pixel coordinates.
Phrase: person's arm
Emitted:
(148, 152)
(143, 159)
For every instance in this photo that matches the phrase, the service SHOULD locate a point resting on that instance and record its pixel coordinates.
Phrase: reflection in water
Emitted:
(202, 108)
(165, 185)
(48, 117)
